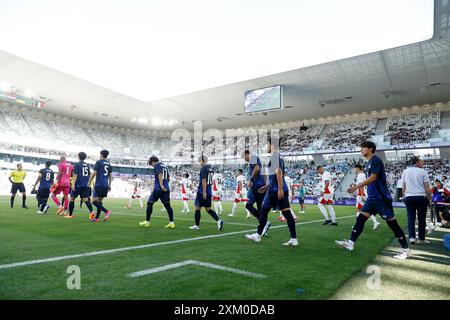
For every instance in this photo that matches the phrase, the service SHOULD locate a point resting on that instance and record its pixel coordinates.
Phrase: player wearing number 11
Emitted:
(161, 192)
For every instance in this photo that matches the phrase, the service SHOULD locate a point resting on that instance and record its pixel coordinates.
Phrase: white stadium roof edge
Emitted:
(410, 75)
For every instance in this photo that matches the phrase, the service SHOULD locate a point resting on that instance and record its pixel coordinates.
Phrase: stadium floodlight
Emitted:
(142, 121)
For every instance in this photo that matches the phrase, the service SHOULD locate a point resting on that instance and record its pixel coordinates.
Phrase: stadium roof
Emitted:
(413, 74)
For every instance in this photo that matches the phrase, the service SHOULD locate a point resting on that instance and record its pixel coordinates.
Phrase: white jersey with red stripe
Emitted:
(217, 187)
(241, 190)
(361, 193)
(185, 183)
(328, 191)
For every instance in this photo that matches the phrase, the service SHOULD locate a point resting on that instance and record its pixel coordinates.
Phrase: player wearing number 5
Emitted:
(161, 192)
(204, 194)
(80, 185)
(103, 178)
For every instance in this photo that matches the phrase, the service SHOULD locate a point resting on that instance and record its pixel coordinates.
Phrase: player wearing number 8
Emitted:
(45, 180)
(161, 192)
(103, 178)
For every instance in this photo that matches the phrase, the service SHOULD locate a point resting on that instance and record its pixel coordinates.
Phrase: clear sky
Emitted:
(152, 49)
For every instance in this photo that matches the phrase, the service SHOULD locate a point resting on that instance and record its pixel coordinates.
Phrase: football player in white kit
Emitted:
(361, 193)
(241, 193)
(290, 184)
(326, 197)
(136, 183)
(185, 187)
(217, 193)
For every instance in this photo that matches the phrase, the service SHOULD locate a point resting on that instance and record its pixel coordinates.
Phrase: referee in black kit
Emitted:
(417, 196)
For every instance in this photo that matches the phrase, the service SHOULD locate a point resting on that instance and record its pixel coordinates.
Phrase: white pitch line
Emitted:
(182, 219)
(195, 263)
(144, 246)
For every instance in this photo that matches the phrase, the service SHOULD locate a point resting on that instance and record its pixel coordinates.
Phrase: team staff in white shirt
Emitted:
(417, 196)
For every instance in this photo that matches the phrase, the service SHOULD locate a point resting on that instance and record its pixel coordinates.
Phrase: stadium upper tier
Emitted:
(37, 132)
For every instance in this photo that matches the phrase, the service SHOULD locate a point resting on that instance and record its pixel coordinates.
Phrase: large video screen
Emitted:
(264, 99)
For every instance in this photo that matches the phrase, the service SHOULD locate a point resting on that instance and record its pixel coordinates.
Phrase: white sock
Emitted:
(293, 214)
(248, 212)
(233, 211)
(140, 202)
(323, 210)
(129, 203)
(216, 206)
(332, 214)
(220, 206)
(374, 219)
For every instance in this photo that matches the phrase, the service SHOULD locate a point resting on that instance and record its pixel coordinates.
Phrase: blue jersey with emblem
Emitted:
(276, 162)
(258, 181)
(47, 177)
(103, 169)
(161, 168)
(81, 169)
(377, 190)
(206, 173)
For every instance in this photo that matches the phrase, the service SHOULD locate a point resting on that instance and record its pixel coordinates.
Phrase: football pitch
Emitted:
(37, 250)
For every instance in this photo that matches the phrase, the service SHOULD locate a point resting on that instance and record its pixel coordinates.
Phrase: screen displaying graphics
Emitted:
(264, 99)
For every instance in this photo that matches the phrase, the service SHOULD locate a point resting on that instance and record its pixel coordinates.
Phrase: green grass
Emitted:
(316, 265)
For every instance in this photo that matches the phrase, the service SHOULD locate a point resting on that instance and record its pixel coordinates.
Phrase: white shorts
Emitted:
(360, 200)
(136, 194)
(326, 198)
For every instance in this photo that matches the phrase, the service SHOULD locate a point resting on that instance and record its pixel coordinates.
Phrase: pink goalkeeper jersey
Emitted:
(66, 172)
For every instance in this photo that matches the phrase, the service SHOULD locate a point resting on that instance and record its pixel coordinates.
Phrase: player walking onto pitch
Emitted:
(204, 194)
(241, 193)
(361, 193)
(161, 192)
(136, 191)
(326, 197)
(185, 191)
(80, 185)
(103, 178)
(290, 185)
(45, 179)
(217, 192)
(62, 184)
(379, 200)
(255, 182)
(276, 196)
(16, 177)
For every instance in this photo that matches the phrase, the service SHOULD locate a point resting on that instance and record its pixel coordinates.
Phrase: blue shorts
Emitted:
(384, 208)
(43, 193)
(159, 195)
(202, 203)
(101, 192)
(254, 196)
(82, 192)
(271, 201)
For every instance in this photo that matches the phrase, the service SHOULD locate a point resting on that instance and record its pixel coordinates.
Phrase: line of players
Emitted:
(74, 181)
(268, 192)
